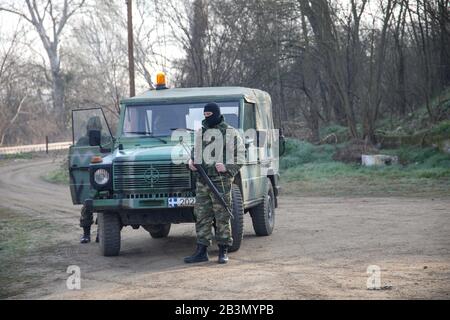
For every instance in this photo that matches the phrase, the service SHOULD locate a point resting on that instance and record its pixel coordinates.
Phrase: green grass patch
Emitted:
(300, 152)
(422, 158)
(442, 129)
(58, 176)
(21, 155)
(309, 169)
(341, 132)
(19, 236)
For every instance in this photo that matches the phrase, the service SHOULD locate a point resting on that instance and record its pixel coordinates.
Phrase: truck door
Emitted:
(91, 136)
(251, 176)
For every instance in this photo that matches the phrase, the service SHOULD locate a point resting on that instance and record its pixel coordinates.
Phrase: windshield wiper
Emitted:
(148, 134)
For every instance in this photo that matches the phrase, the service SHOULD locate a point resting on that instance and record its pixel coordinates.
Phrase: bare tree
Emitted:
(326, 36)
(10, 104)
(149, 36)
(102, 55)
(376, 68)
(55, 14)
(214, 49)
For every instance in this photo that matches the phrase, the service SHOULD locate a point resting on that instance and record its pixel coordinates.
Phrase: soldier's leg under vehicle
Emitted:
(86, 221)
(158, 230)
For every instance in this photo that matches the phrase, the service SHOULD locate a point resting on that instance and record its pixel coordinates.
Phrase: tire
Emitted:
(109, 227)
(158, 230)
(263, 215)
(237, 224)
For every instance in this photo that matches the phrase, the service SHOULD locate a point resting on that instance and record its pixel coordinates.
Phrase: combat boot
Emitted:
(86, 237)
(200, 255)
(223, 254)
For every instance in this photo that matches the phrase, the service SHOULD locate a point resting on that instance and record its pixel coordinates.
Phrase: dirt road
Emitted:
(321, 248)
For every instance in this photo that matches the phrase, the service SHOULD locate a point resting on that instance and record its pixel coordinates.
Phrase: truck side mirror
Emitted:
(94, 137)
(282, 145)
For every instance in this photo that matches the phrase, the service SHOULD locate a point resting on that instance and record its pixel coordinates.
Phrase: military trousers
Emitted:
(208, 209)
(87, 217)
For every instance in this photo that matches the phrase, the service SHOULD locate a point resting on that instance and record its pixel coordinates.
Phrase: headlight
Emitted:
(101, 176)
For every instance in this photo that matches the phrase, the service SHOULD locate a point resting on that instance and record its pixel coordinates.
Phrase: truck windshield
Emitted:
(160, 120)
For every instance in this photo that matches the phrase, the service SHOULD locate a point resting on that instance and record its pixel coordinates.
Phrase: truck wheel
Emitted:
(109, 228)
(158, 230)
(263, 215)
(237, 224)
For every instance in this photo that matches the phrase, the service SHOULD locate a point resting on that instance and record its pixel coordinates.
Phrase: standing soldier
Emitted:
(207, 208)
(87, 217)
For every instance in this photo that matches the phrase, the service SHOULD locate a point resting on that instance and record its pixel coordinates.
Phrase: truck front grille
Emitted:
(150, 175)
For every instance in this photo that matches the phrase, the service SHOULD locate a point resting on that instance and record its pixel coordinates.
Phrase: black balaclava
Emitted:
(215, 118)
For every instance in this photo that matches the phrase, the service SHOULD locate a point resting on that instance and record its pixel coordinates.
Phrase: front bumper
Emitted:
(129, 204)
(137, 212)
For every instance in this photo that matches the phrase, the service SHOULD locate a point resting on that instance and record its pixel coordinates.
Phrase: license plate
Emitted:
(181, 202)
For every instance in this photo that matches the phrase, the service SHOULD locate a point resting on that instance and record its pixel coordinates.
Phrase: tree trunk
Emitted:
(319, 16)
(58, 99)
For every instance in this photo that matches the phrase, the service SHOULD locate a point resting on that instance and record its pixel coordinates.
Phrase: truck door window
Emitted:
(249, 116)
(84, 120)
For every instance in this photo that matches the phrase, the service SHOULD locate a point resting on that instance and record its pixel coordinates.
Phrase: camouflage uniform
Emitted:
(207, 208)
(93, 123)
(87, 217)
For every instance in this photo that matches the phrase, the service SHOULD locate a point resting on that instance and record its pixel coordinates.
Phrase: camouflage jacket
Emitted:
(238, 157)
(84, 141)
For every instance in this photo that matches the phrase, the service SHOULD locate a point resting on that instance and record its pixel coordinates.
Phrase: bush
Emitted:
(442, 129)
(352, 151)
(304, 161)
(426, 157)
(299, 152)
(21, 155)
(341, 132)
(58, 176)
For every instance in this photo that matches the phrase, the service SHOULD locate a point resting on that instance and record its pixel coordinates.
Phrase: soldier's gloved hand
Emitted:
(191, 165)
(220, 167)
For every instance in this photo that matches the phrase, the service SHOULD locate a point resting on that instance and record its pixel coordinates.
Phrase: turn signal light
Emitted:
(96, 159)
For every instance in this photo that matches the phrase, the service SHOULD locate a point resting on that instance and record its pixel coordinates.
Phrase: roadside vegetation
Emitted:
(22, 155)
(311, 170)
(59, 176)
(332, 167)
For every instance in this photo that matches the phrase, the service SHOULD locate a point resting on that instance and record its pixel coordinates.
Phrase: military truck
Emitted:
(130, 179)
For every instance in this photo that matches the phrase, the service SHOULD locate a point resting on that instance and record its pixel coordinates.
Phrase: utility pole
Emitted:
(130, 47)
